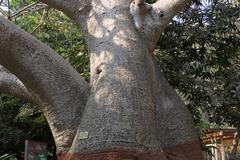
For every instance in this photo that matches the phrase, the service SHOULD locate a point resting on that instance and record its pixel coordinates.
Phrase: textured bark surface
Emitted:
(131, 111)
(11, 85)
(130, 102)
(152, 19)
(58, 89)
(186, 151)
(119, 111)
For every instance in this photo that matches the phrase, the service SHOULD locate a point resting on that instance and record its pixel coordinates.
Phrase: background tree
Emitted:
(204, 65)
(199, 54)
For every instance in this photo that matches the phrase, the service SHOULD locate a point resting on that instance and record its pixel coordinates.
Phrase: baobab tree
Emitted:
(128, 110)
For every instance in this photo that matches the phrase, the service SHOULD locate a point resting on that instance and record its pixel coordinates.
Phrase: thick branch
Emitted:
(11, 85)
(139, 9)
(72, 8)
(77, 10)
(169, 9)
(58, 88)
(151, 20)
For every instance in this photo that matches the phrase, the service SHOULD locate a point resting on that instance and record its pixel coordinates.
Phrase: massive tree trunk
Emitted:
(131, 111)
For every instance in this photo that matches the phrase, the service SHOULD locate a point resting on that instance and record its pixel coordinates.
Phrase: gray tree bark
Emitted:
(11, 85)
(131, 108)
(56, 87)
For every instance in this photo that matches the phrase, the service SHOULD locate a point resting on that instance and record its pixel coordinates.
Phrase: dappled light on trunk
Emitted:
(128, 110)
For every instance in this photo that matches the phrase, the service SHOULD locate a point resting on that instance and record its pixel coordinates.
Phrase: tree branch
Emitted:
(72, 8)
(59, 89)
(11, 85)
(42, 21)
(151, 20)
(31, 7)
(169, 9)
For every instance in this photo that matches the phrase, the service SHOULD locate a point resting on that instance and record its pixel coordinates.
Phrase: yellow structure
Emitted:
(221, 142)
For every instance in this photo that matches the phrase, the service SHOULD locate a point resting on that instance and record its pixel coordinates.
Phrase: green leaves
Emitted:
(20, 121)
(199, 54)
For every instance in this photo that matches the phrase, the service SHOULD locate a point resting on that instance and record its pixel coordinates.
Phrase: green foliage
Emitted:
(60, 34)
(199, 54)
(20, 121)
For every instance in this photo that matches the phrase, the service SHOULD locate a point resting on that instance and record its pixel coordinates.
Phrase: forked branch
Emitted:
(152, 19)
(72, 8)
